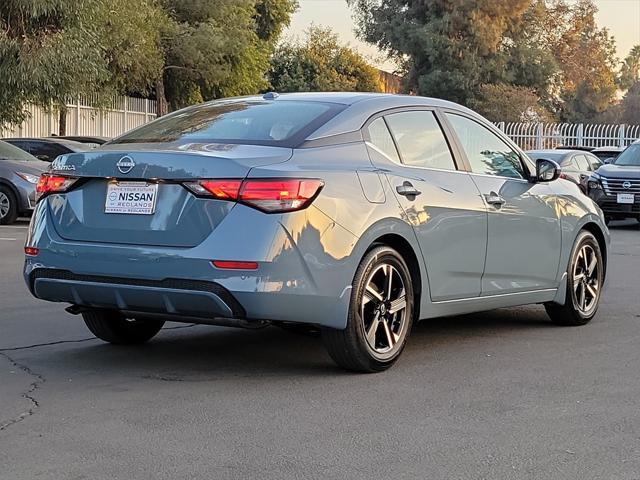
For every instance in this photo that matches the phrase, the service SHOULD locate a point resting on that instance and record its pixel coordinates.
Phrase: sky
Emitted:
(621, 17)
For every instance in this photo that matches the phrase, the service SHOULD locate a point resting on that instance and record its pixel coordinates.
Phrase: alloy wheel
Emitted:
(383, 311)
(586, 279)
(5, 205)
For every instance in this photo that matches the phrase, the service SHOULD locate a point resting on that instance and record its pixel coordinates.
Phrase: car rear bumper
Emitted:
(294, 282)
(168, 297)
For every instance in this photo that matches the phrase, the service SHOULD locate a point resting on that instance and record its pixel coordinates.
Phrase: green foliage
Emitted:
(187, 50)
(129, 36)
(630, 105)
(216, 49)
(630, 71)
(321, 63)
(448, 48)
(508, 103)
(45, 55)
(451, 48)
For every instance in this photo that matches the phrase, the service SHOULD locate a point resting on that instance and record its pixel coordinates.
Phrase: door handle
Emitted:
(408, 190)
(494, 199)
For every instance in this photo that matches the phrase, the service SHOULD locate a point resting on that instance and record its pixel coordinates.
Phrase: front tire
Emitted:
(380, 314)
(113, 327)
(585, 278)
(8, 206)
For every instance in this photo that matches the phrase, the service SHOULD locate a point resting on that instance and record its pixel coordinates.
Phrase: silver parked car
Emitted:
(19, 174)
(358, 214)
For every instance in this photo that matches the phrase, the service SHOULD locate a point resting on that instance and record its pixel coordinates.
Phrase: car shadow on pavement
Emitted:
(624, 225)
(202, 353)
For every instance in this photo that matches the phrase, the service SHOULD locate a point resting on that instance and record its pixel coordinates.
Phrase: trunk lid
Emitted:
(180, 219)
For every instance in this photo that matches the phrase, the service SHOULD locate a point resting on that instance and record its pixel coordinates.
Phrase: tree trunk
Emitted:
(62, 121)
(162, 105)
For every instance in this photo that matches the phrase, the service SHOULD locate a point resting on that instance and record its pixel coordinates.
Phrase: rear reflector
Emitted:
(48, 183)
(233, 265)
(31, 251)
(271, 195)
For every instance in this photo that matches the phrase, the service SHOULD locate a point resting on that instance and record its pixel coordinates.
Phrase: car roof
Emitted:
(361, 106)
(608, 149)
(68, 143)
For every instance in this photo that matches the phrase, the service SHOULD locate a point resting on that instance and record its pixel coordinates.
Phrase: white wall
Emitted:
(124, 114)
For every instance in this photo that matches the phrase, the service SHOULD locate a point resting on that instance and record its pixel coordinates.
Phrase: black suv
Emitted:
(616, 187)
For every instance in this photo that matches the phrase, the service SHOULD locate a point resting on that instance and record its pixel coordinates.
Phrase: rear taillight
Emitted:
(48, 183)
(31, 251)
(271, 195)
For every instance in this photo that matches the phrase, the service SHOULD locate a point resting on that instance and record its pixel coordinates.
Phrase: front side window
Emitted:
(594, 162)
(252, 122)
(488, 154)
(420, 140)
(381, 139)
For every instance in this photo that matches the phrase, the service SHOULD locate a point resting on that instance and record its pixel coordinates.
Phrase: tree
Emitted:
(526, 52)
(53, 50)
(448, 48)
(587, 55)
(557, 48)
(508, 103)
(630, 105)
(630, 71)
(321, 63)
(182, 50)
(44, 56)
(218, 48)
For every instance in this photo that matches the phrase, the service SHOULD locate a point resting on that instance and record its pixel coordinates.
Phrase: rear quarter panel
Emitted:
(342, 223)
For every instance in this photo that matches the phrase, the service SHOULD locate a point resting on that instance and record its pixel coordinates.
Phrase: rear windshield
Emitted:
(278, 123)
(9, 152)
(630, 157)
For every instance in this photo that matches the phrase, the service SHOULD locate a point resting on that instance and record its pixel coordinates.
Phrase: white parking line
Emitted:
(13, 226)
(10, 239)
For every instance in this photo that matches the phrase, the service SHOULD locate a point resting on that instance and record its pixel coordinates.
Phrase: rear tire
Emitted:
(8, 206)
(380, 315)
(585, 278)
(113, 327)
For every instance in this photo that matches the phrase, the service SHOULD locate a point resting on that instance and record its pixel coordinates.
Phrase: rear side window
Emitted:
(251, 122)
(420, 140)
(487, 153)
(381, 139)
(583, 163)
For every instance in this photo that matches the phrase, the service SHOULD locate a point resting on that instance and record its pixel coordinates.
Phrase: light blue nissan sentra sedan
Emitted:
(358, 214)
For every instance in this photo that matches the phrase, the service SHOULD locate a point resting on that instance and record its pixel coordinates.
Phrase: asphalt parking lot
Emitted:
(498, 395)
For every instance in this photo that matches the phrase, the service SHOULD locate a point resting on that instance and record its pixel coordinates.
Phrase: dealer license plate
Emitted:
(626, 198)
(133, 198)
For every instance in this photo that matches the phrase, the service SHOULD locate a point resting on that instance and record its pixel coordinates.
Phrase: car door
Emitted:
(524, 237)
(584, 168)
(441, 202)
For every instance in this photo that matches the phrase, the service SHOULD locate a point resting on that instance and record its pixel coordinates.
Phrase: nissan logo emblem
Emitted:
(627, 185)
(125, 164)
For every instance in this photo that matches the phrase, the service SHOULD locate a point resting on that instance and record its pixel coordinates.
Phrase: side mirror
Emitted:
(547, 170)
(609, 160)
